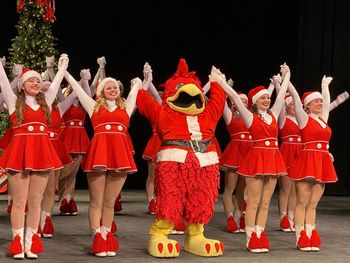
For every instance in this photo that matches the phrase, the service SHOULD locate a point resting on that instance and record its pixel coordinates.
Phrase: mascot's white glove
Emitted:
(85, 74)
(50, 62)
(3, 60)
(101, 62)
(63, 60)
(17, 69)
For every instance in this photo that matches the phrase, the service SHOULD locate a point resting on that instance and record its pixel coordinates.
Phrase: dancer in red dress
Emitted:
(30, 156)
(313, 167)
(239, 145)
(57, 111)
(109, 157)
(263, 163)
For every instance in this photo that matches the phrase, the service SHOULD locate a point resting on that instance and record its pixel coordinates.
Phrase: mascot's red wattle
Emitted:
(187, 172)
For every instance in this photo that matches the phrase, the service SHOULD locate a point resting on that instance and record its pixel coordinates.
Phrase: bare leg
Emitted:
(267, 192)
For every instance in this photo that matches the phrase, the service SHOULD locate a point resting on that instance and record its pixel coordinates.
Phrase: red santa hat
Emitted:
(255, 93)
(288, 99)
(102, 84)
(310, 96)
(28, 74)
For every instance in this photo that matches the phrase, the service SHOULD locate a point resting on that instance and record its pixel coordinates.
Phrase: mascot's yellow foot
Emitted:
(197, 244)
(162, 247)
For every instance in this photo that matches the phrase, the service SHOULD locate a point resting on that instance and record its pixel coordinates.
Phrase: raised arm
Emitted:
(227, 114)
(16, 71)
(326, 97)
(130, 102)
(339, 100)
(277, 106)
(246, 115)
(56, 83)
(100, 75)
(85, 77)
(65, 105)
(300, 114)
(85, 100)
(6, 91)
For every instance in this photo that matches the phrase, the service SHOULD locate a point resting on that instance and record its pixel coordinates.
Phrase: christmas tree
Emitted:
(35, 40)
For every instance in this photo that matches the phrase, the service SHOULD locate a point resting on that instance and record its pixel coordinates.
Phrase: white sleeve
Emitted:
(131, 101)
(55, 85)
(87, 102)
(300, 114)
(277, 106)
(206, 88)
(326, 102)
(6, 90)
(65, 105)
(227, 114)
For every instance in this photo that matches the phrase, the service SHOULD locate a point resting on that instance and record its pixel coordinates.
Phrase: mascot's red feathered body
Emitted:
(187, 177)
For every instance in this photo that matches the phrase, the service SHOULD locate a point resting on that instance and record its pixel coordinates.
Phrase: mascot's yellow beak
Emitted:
(188, 99)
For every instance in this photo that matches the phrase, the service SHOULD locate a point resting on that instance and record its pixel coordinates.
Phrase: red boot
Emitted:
(151, 207)
(285, 225)
(64, 208)
(118, 205)
(231, 226)
(73, 209)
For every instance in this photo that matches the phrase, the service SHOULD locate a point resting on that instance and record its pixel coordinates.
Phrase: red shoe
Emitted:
(304, 243)
(112, 245)
(231, 226)
(285, 225)
(151, 207)
(265, 243)
(64, 208)
(242, 224)
(118, 205)
(315, 241)
(48, 228)
(73, 209)
(254, 244)
(98, 246)
(244, 206)
(179, 228)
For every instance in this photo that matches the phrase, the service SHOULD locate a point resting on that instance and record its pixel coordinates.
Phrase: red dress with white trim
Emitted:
(314, 161)
(291, 145)
(264, 158)
(54, 131)
(30, 148)
(152, 147)
(6, 138)
(74, 135)
(240, 143)
(109, 148)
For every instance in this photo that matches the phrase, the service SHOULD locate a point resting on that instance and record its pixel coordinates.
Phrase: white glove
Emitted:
(17, 70)
(285, 70)
(342, 97)
(63, 60)
(276, 79)
(136, 83)
(3, 60)
(147, 72)
(50, 61)
(216, 75)
(85, 74)
(326, 81)
(230, 82)
(101, 62)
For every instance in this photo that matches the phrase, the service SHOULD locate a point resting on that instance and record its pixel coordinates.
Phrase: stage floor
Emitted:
(72, 238)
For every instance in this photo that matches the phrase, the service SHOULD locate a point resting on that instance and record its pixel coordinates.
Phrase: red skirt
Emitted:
(30, 153)
(76, 140)
(234, 154)
(152, 147)
(62, 152)
(109, 151)
(290, 152)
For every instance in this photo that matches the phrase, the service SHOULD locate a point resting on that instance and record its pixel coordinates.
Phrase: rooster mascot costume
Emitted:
(187, 171)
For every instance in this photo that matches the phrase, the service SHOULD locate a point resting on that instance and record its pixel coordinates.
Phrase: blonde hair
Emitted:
(21, 104)
(101, 101)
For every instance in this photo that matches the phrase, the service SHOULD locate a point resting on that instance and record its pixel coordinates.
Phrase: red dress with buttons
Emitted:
(241, 142)
(6, 138)
(109, 148)
(314, 161)
(264, 158)
(54, 131)
(30, 148)
(291, 145)
(152, 147)
(74, 135)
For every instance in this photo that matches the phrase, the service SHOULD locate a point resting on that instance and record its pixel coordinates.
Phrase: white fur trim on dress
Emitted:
(172, 155)
(208, 158)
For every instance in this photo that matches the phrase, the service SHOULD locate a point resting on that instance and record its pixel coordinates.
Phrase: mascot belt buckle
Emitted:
(197, 146)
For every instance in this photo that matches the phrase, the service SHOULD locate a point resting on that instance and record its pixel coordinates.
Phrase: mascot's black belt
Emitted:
(195, 145)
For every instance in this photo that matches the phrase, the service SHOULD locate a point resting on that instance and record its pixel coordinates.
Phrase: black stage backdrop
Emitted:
(247, 40)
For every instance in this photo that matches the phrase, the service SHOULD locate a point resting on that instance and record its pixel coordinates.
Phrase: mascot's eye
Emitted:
(179, 85)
